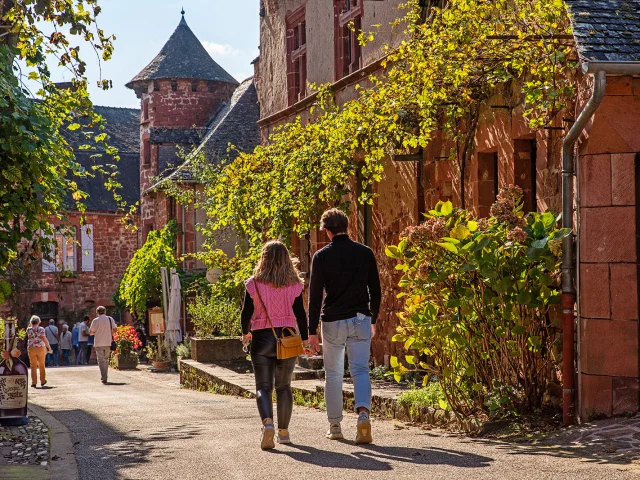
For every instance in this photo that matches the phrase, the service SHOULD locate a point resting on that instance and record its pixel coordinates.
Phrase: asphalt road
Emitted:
(143, 426)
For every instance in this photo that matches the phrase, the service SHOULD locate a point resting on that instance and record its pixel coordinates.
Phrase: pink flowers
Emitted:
(433, 229)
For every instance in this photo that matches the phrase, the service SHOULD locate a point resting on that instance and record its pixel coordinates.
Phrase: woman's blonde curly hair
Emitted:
(276, 267)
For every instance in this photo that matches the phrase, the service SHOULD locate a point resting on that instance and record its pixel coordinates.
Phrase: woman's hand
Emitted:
(50, 351)
(246, 339)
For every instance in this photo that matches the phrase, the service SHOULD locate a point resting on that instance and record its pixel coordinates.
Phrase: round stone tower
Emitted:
(180, 91)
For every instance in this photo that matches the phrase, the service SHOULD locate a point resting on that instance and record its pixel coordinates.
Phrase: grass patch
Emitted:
(429, 396)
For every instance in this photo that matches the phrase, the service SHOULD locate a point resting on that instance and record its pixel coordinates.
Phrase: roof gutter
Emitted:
(600, 70)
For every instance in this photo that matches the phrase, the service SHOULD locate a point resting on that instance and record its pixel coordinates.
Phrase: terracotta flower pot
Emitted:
(161, 366)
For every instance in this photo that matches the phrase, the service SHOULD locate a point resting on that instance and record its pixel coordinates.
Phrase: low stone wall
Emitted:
(216, 379)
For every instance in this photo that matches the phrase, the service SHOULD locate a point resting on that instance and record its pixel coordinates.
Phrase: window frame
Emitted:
(347, 49)
(296, 45)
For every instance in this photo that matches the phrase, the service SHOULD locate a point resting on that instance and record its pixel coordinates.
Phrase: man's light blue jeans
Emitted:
(354, 334)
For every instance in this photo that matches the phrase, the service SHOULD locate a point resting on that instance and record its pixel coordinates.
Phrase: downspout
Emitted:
(568, 265)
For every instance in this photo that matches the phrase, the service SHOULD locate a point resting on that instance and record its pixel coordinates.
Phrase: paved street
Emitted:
(143, 426)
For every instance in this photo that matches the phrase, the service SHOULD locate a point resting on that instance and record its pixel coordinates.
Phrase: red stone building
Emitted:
(188, 101)
(87, 265)
(294, 36)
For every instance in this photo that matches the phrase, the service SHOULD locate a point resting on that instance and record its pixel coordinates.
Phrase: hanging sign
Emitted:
(156, 321)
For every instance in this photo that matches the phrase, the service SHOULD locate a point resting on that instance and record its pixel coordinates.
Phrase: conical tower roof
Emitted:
(183, 56)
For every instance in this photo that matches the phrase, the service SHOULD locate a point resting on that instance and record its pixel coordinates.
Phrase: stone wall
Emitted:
(113, 248)
(608, 276)
(319, 16)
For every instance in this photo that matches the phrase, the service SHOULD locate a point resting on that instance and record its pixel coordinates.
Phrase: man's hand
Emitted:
(373, 330)
(314, 343)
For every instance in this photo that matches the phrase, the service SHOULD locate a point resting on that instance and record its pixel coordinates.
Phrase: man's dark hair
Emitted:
(334, 220)
(86, 317)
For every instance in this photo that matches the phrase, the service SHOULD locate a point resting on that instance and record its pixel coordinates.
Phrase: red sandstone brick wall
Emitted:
(608, 330)
(113, 245)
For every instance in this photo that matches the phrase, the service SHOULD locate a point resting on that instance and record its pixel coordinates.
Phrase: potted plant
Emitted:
(216, 322)
(159, 355)
(127, 341)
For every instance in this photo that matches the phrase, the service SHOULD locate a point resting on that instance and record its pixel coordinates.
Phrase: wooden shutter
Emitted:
(48, 250)
(87, 248)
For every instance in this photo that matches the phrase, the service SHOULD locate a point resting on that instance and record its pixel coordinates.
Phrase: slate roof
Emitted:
(606, 30)
(176, 135)
(183, 56)
(123, 128)
(235, 123)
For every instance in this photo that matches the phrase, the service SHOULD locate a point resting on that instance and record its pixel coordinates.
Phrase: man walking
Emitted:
(102, 328)
(83, 339)
(348, 274)
(52, 335)
(65, 345)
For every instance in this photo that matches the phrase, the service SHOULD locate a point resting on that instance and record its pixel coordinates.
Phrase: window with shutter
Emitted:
(48, 253)
(87, 248)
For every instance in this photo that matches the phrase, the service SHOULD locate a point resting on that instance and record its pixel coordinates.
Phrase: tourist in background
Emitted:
(272, 303)
(37, 346)
(66, 343)
(53, 336)
(83, 339)
(75, 331)
(103, 328)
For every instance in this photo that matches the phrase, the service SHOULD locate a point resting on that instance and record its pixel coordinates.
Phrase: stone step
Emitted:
(300, 373)
(313, 362)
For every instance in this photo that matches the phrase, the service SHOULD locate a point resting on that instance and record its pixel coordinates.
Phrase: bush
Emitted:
(184, 349)
(213, 316)
(429, 396)
(479, 296)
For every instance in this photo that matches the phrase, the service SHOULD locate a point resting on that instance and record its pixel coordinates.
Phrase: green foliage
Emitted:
(479, 297)
(429, 396)
(213, 315)
(39, 170)
(184, 349)
(142, 282)
(157, 350)
(380, 373)
(435, 81)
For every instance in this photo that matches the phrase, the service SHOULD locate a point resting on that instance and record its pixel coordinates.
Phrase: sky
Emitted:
(229, 30)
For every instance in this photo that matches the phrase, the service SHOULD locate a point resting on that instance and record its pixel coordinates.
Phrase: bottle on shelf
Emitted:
(14, 380)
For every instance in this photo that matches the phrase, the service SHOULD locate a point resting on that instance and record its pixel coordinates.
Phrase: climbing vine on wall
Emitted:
(142, 282)
(434, 82)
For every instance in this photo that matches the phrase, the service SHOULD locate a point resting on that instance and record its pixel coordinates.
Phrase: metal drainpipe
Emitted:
(568, 265)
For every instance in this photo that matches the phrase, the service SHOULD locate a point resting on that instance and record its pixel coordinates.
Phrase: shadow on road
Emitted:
(101, 450)
(378, 458)
(117, 384)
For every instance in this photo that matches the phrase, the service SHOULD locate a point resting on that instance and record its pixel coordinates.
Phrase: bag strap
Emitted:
(265, 308)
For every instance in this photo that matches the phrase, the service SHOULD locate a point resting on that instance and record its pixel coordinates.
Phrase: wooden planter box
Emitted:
(216, 349)
(126, 362)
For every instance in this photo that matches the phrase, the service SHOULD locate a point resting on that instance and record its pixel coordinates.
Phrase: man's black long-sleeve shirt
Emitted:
(348, 273)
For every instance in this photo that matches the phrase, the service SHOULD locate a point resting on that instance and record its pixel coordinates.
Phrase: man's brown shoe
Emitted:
(363, 434)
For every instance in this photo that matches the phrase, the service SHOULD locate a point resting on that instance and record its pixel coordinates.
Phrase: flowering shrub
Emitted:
(478, 299)
(127, 340)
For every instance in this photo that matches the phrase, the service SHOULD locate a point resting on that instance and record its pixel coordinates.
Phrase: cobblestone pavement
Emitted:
(25, 445)
(616, 439)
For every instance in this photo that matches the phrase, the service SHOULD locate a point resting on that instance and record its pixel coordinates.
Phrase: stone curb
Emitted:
(61, 446)
(217, 379)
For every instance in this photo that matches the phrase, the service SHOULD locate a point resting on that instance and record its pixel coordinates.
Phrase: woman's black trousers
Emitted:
(269, 371)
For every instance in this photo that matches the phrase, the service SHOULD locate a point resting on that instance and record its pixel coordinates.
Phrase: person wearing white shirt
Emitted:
(103, 328)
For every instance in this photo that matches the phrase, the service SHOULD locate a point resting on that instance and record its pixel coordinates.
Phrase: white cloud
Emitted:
(220, 50)
(241, 76)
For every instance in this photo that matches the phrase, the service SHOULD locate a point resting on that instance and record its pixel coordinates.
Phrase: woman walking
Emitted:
(273, 302)
(38, 347)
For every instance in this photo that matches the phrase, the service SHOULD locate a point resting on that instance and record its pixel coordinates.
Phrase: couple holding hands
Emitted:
(346, 273)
